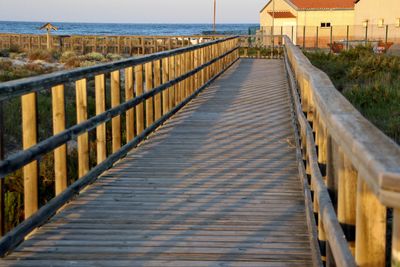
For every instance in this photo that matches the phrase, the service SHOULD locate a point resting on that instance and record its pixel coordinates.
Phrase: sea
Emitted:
(127, 29)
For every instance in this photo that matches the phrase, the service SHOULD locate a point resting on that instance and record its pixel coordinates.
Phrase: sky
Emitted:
(131, 11)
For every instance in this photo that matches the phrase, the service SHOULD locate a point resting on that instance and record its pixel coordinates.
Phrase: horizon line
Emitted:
(178, 23)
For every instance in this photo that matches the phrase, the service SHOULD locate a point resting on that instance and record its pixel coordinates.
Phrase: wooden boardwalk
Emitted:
(217, 185)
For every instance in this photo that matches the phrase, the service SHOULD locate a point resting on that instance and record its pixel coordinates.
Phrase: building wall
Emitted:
(335, 17)
(374, 10)
(280, 5)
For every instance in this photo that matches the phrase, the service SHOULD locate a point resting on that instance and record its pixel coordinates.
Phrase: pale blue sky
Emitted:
(131, 11)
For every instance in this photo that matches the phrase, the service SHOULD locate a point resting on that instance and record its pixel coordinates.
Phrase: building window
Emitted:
(325, 24)
(381, 23)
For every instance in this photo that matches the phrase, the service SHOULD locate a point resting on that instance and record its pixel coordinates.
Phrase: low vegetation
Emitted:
(17, 64)
(371, 82)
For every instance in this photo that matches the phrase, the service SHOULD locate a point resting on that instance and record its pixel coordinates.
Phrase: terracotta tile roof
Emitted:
(323, 4)
(282, 14)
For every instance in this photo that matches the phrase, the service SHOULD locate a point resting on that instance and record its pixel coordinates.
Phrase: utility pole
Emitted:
(273, 30)
(215, 16)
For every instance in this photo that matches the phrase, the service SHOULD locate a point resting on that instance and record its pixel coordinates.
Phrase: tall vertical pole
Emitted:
(48, 40)
(272, 30)
(386, 37)
(215, 16)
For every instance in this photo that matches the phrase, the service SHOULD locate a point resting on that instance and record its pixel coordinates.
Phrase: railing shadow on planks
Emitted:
(156, 87)
(353, 170)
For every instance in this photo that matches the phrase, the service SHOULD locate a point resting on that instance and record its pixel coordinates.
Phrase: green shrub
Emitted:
(94, 56)
(67, 55)
(113, 57)
(370, 82)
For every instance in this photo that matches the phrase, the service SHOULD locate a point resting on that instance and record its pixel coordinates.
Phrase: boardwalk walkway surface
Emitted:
(217, 185)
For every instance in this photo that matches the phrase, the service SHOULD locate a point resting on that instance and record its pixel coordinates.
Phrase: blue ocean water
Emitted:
(125, 29)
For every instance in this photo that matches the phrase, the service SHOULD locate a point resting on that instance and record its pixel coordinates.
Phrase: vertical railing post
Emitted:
(181, 87)
(81, 116)
(304, 37)
(2, 189)
(157, 97)
(347, 37)
(196, 64)
(31, 172)
(115, 102)
(129, 94)
(172, 90)
(149, 101)
(60, 154)
(346, 203)
(165, 79)
(366, 33)
(100, 95)
(186, 69)
(316, 38)
(139, 91)
(370, 228)
(396, 238)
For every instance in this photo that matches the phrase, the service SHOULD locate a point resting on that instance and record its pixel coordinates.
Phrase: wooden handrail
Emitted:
(216, 55)
(20, 87)
(356, 163)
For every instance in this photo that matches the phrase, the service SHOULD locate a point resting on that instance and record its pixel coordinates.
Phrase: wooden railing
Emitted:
(132, 45)
(156, 87)
(352, 167)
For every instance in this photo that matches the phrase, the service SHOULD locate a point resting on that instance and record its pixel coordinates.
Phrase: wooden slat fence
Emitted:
(352, 167)
(132, 45)
(155, 87)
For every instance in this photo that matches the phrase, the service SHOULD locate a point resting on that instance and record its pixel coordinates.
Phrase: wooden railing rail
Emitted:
(156, 87)
(354, 170)
(132, 45)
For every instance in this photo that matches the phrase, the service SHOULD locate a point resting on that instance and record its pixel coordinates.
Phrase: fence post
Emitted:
(316, 38)
(149, 101)
(129, 94)
(165, 79)
(370, 228)
(2, 193)
(396, 238)
(304, 37)
(139, 91)
(386, 36)
(346, 206)
(115, 102)
(157, 97)
(331, 39)
(60, 154)
(29, 136)
(347, 37)
(172, 90)
(100, 95)
(366, 34)
(81, 114)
